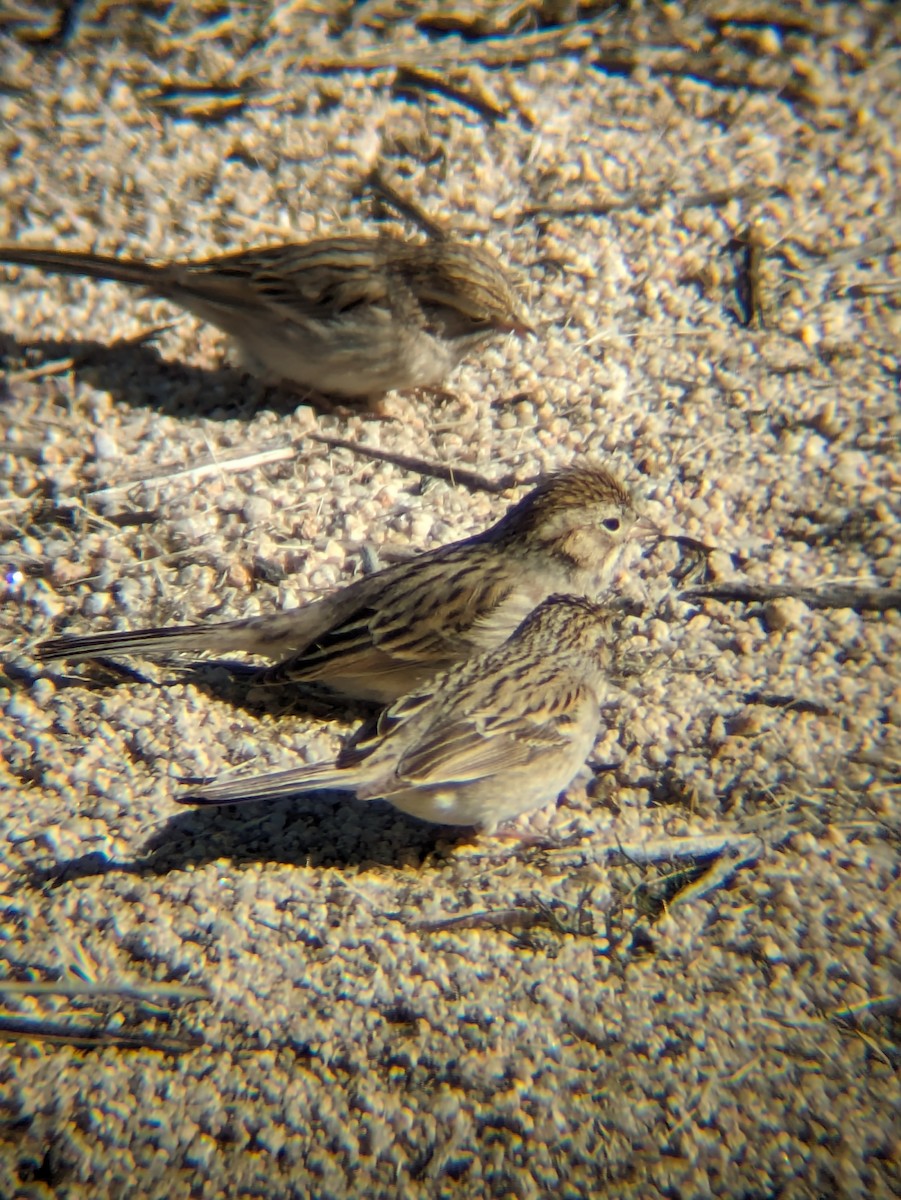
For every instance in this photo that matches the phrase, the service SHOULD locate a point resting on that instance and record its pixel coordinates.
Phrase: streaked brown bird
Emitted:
(498, 735)
(386, 633)
(352, 317)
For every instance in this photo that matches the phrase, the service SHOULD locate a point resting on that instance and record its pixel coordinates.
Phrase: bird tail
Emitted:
(273, 636)
(224, 637)
(96, 266)
(272, 786)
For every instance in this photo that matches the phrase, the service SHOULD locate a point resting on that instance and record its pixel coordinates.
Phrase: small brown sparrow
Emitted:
(386, 633)
(353, 317)
(498, 735)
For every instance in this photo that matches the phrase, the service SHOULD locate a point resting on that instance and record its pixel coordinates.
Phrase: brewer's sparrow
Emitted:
(495, 736)
(352, 317)
(386, 633)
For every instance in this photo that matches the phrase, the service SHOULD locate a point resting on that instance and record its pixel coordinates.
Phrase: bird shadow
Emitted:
(317, 829)
(326, 829)
(134, 372)
(237, 683)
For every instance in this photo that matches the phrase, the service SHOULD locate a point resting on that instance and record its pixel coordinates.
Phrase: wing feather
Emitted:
(315, 279)
(487, 743)
(415, 618)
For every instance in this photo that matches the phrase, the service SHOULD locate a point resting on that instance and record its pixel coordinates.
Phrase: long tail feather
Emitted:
(277, 784)
(156, 640)
(95, 266)
(273, 636)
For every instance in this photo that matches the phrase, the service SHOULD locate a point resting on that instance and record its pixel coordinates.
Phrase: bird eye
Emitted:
(612, 523)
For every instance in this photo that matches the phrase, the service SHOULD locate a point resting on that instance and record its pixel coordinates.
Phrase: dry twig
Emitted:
(456, 476)
(834, 595)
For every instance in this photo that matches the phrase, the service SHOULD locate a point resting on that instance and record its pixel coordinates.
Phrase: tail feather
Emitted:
(314, 778)
(273, 636)
(95, 266)
(156, 640)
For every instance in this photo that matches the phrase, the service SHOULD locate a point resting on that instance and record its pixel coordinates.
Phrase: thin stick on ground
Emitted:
(456, 476)
(209, 466)
(388, 194)
(27, 1029)
(123, 991)
(835, 595)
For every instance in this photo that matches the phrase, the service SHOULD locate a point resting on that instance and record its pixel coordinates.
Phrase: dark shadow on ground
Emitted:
(329, 829)
(135, 373)
(236, 683)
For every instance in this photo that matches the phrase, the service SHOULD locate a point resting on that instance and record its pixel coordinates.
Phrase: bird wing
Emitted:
(315, 279)
(486, 742)
(414, 617)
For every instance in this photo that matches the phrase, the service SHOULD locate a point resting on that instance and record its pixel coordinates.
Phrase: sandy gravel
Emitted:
(325, 998)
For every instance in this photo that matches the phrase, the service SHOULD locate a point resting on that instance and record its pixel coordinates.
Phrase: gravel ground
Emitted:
(696, 992)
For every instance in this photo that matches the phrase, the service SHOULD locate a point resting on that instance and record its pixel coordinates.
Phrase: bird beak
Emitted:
(519, 325)
(646, 530)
